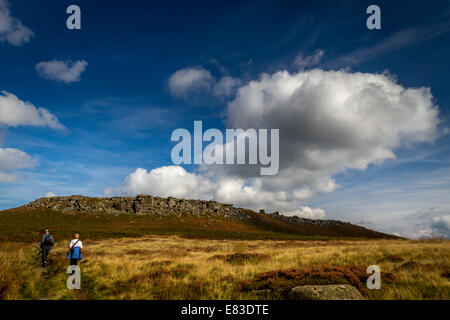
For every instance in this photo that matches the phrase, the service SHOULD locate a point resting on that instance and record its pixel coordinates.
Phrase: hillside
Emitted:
(99, 218)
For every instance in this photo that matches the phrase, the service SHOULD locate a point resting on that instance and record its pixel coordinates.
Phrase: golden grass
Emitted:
(17, 279)
(170, 267)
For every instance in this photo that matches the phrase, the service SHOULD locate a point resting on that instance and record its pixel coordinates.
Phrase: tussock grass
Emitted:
(17, 278)
(241, 258)
(171, 267)
(175, 268)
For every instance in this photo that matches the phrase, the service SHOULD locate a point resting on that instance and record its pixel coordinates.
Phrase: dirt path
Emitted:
(81, 294)
(42, 277)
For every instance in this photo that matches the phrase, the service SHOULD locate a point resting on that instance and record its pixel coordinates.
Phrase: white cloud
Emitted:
(164, 181)
(11, 29)
(441, 226)
(427, 222)
(329, 122)
(190, 79)
(6, 177)
(226, 86)
(13, 159)
(176, 181)
(247, 193)
(199, 80)
(15, 112)
(63, 71)
(309, 61)
(426, 233)
(396, 41)
(50, 194)
(307, 212)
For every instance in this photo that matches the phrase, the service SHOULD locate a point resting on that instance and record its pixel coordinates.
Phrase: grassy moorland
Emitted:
(211, 257)
(171, 267)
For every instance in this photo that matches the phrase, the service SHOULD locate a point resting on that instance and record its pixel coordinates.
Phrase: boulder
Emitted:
(325, 292)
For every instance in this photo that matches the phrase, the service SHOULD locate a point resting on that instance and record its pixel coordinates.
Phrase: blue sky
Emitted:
(118, 113)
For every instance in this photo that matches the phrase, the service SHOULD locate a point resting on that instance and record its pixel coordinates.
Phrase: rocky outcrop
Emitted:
(141, 204)
(158, 206)
(317, 222)
(332, 226)
(325, 292)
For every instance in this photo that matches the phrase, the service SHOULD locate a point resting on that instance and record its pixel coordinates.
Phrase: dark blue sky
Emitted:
(120, 115)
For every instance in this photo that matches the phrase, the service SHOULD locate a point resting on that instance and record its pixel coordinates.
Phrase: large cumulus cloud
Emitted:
(329, 122)
(335, 120)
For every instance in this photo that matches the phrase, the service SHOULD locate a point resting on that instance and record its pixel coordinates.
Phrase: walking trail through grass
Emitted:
(42, 277)
(171, 267)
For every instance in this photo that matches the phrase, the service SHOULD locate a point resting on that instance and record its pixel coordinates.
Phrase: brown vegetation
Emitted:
(147, 268)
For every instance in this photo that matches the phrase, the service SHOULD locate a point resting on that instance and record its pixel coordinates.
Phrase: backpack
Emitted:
(72, 250)
(49, 240)
(76, 254)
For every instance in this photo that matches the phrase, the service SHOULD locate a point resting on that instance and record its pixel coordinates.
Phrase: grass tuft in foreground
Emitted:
(18, 280)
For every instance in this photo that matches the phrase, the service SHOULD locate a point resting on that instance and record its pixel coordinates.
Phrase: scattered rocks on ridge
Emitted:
(317, 222)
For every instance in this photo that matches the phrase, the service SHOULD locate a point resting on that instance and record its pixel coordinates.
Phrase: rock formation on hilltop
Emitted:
(160, 207)
(141, 204)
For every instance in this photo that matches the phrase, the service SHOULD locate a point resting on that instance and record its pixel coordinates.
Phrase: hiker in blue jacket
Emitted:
(47, 243)
(75, 248)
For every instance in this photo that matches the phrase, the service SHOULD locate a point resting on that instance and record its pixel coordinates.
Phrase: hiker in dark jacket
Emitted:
(75, 248)
(47, 243)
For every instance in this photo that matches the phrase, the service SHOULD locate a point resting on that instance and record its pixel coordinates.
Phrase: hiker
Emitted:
(47, 243)
(75, 248)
